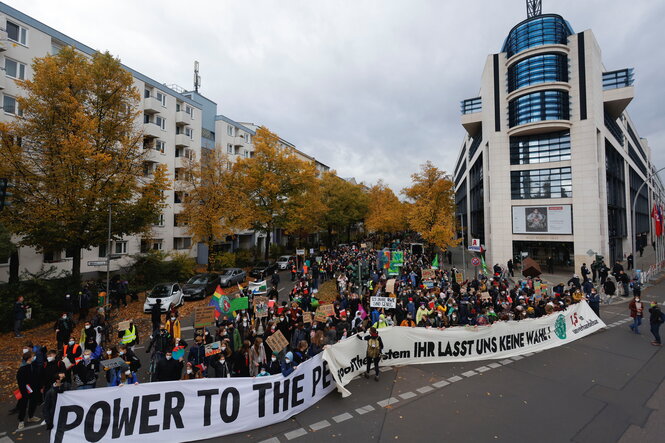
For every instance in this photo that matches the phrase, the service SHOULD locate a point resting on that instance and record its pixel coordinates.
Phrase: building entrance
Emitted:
(553, 257)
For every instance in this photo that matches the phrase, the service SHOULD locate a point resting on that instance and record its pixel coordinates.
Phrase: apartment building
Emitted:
(171, 124)
(551, 161)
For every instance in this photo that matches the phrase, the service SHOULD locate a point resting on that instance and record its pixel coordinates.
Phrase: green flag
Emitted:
(435, 262)
(239, 303)
(482, 260)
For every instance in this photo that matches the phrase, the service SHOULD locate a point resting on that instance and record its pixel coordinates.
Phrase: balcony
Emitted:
(471, 114)
(3, 79)
(182, 118)
(3, 40)
(151, 105)
(182, 140)
(151, 130)
(618, 91)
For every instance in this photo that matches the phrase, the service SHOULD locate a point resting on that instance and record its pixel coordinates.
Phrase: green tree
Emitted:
(74, 152)
(346, 204)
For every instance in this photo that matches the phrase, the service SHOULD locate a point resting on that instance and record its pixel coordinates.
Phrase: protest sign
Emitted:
(404, 346)
(204, 316)
(276, 341)
(383, 302)
(112, 363)
(485, 296)
(260, 306)
(124, 325)
(178, 352)
(188, 410)
(428, 274)
(307, 317)
(323, 312)
(390, 286)
(213, 348)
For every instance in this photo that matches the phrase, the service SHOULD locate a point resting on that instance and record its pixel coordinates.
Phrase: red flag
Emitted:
(660, 221)
(657, 220)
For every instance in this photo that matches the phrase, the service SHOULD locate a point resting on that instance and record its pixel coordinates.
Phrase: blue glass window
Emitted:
(539, 106)
(539, 69)
(542, 30)
(541, 148)
(541, 183)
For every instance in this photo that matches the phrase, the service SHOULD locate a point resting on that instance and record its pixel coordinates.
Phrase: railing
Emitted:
(471, 105)
(621, 78)
(614, 129)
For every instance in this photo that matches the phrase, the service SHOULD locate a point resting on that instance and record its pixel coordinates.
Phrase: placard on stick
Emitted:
(390, 286)
(213, 348)
(112, 363)
(204, 316)
(276, 341)
(428, 274)
(307, 317)
(124, 325)
(260, 306)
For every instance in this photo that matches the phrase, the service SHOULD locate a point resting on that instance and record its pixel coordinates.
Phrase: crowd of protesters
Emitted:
(439, 301)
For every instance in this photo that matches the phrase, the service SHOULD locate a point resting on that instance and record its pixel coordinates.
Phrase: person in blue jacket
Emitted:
(287, 364)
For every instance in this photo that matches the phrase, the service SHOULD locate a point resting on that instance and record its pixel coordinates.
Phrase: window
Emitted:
(182, 242)
(177, 107)
(17, 33)
(188, 110)
(10, 106)
(249, 138)
(146, 93)
(229, 165)
(539, 69)
(52, 256)
(178, 197)
(159, 221)
(121, 247)
(179, 220)
(229, 130)
(539, 106)
(541, 183)
(540, 148)
(160, 121)
(69, 253)
(189, 132)
(246, 154)
(56, 47)
(146, 118)
(229, 148)
(546, 29)
(152, 245)
(160, 145)
(14, 69)
(161, 97)
(102, 251)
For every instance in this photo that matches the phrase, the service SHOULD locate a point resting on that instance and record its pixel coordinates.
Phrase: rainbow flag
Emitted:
(220, 301)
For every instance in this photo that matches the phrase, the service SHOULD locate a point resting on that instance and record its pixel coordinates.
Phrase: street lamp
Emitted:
(634, 227)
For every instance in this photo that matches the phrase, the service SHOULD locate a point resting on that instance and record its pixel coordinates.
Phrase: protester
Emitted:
(55, 388)
(656, 318)
(28, 378)
(63, 327)
(20, 311)
(635, 307)
(374, 349)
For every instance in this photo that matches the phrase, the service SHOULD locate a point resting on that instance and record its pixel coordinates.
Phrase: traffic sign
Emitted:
(475, 245)
(97, 263)
(475, 261)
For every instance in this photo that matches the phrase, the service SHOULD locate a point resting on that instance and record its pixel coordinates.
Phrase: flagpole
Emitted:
(634, 217)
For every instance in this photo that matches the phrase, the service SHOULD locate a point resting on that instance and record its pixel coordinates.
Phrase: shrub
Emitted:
(221, 260)
(157, 266)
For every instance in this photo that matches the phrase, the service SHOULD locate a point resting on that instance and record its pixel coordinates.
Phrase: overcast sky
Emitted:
(369, 87)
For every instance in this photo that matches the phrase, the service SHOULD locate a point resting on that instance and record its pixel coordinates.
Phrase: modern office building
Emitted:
(551, 161)
(176, 124)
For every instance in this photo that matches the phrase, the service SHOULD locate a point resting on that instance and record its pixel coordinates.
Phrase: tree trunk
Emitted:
(76, 266)
(13, 266)
(209, 245)
(348, 233)
(268, 232)
(330, 237)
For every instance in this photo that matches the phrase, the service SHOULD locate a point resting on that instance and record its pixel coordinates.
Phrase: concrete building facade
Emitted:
(551, 161)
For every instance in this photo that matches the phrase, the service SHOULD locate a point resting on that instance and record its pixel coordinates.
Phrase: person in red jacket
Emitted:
(636, 310)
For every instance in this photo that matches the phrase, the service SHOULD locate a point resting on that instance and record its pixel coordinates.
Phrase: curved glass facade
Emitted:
(541, 30)
(539, 106)
(539, 69)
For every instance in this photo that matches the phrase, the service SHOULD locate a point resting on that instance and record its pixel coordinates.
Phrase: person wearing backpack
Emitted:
(656, 319)
(374, 348)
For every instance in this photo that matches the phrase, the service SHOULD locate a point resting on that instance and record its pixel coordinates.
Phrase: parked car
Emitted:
(231, 276)
(169, 294)
(200, 286)
(263, 269)
(285, 262)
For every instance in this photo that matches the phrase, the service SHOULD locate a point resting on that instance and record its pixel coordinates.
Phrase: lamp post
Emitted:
(108, 259)
(461, 220)
(634, 227)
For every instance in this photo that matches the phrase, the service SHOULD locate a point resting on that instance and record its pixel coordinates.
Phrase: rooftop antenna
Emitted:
(197, 77)
(534, 8)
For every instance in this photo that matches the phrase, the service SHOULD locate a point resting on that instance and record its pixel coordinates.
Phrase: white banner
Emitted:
(543, 219)
(383, 302)
(404, 346)
(189, 410)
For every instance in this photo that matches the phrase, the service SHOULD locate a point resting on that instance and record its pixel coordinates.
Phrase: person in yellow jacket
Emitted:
(422, 310)
(173, 327)
(381, 323)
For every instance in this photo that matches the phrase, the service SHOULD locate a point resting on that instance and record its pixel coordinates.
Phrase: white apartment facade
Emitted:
(171, 124)
(551, 161)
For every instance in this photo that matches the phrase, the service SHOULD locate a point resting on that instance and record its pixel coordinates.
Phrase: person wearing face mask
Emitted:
(85, 371)
(51, 367)
(191, 372)
(127, 377)
(173, 326)
(636, 310)
(197, 354)
(168, 369)
(287, 364)
(56, 386)
(274, 366)
(72, 350)
(29, 382)
(112, 374)
(257, 357)
(63, 328)
(88, 337)
(219, 368)
(161, 341)
(130, 358)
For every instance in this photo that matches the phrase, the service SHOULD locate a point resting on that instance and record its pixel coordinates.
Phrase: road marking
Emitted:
(454, 378)
(280, 289)
(494, 365)
(506, 362)
(482, 369)
(271, 440)
(529, 354)
(407, 395)
(342, 417)
(187, 328)
(365, 409)
(295, 434)
(469, 373)
(139, 347)
(319, 425)
(517, 358)
(440, 384)
(387, 401)
(425, 389)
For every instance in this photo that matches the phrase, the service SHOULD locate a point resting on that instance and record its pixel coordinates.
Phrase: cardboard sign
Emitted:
(459, 278)
(307, 317)
(112, 363)
(260, 307)
(327, 310)
(28, 313)
(428, 274)
(124, 325)
(390, 286)
(67, 362)
(213, 348)
(485, 296)
(276, 341)
(383, 302)
(204, 316)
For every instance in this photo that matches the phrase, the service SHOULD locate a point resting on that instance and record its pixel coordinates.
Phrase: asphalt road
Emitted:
(607, 387)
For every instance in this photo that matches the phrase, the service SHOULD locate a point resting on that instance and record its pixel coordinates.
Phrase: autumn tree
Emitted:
(274, 184)
(346, 204)
(73, 151)
(431, 206)
(211, 208)
(385, 213)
